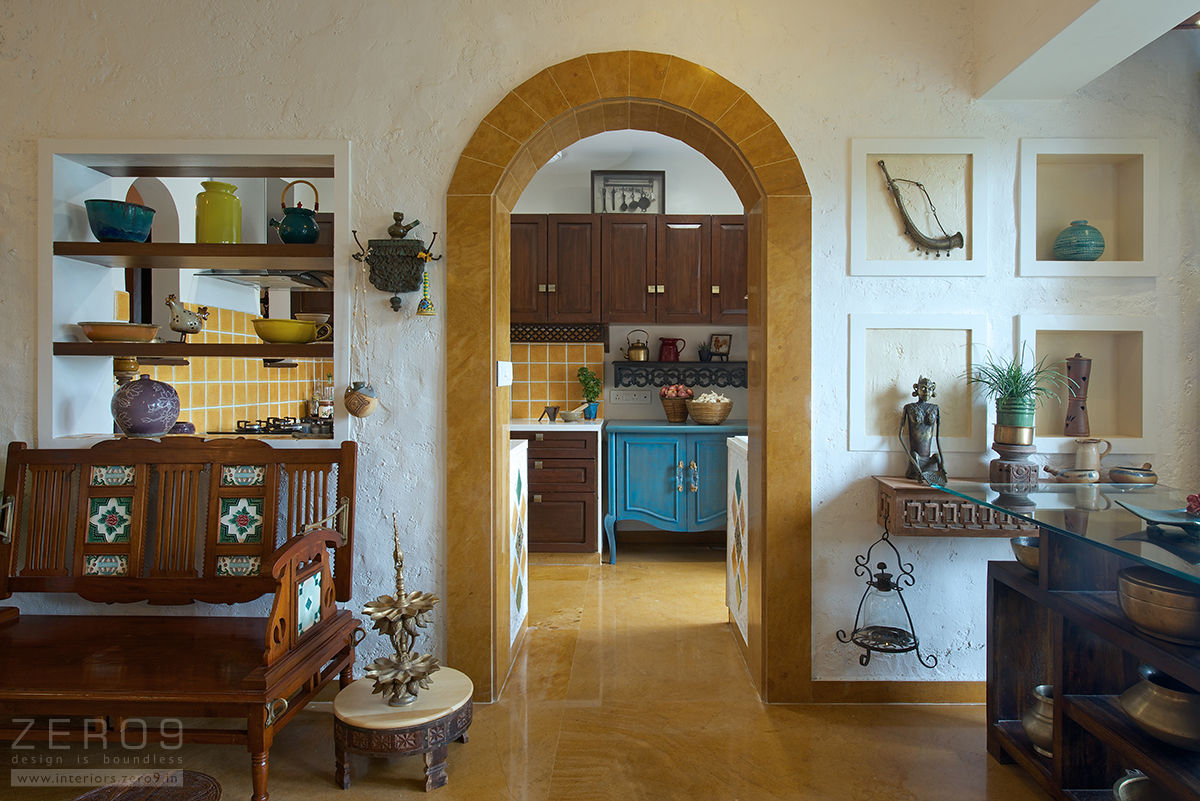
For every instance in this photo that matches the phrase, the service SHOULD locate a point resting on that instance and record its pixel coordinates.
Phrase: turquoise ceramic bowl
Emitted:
(117, 221)
(1079, 242)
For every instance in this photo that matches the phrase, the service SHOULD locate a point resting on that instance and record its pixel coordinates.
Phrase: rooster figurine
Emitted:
(184, 320)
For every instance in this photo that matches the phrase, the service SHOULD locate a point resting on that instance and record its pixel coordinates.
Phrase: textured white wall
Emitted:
(408, 83)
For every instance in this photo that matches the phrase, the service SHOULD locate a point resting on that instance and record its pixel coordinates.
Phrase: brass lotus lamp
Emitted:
(401, 676)
(883, 622)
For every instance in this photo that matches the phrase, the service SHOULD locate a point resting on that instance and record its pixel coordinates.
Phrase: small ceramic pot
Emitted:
(1016, 412)
(1079, 242)
(360, 399)
(145, 408)
(1038, 720)
(590, 412)
(1133, 475)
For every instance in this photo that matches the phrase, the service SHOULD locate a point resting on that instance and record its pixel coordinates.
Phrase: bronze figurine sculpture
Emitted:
(922, 445)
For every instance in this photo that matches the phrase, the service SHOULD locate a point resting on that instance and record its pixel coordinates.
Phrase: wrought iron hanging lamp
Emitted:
(882, 622)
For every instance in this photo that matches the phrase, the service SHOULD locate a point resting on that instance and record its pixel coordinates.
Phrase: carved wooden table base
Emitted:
(364, 724)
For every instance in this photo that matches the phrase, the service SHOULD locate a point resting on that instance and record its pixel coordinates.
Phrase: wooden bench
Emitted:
(173, 522)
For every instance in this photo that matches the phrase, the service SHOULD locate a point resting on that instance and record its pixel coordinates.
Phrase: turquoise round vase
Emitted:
(1079, 242)
(218, 214)
(1018, 412)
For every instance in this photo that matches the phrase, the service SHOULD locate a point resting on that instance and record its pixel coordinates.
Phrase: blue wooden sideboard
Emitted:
(669, 475)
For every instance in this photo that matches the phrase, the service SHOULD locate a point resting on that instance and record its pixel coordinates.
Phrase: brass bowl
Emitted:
(1164, 708)
(1027, 550)
(1160, 604)
(118, 332)
(1136, 786)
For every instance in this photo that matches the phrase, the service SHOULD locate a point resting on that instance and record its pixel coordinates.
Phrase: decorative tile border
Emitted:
(694, 374)
(241, 521)
(109, 520)
(243, 475)
(558, 332)
(237, 565)
(105, 564)
(112, 475)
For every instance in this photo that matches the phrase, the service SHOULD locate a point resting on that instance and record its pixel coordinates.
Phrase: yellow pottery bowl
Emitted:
(289, 332)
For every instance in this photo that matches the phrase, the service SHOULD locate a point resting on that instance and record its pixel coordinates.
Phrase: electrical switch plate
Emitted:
(504, 373)
(629, 396)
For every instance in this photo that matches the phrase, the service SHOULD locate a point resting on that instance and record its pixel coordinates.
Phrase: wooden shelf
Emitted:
(1175, 770)
(311, 350)
(191, 255)
(1015, 742)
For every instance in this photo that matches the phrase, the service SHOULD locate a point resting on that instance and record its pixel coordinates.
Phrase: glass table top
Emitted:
(1147, 524)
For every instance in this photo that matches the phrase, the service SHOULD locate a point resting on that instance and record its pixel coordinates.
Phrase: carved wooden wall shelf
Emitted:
(904, 506)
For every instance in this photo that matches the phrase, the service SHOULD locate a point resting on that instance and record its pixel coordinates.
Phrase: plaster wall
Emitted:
(409, 86)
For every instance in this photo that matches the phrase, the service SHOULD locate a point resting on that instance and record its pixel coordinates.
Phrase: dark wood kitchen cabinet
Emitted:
(628, 257)
(684, 269)
(730, 288)
(563, 491)
(555, 268)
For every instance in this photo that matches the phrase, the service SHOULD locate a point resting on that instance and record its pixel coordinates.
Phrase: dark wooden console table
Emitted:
(1063, 626)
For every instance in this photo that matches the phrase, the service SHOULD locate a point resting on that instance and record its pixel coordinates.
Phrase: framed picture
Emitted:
(628, 192)
(719, 345)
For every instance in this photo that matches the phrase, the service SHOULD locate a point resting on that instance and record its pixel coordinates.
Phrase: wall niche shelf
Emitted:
(312, 350)
(190, 255)
(694, 374)
(1111, 183)
(1122, 387)
(78, 277)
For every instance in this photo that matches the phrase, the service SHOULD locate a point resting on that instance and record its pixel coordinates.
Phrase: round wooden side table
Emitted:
(363, 723)
(195, 787)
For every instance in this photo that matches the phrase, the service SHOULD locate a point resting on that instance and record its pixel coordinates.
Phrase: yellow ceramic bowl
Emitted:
(289, 332)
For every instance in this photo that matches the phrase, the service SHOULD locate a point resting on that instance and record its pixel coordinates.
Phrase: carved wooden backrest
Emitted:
(301, 564)
(170, 522)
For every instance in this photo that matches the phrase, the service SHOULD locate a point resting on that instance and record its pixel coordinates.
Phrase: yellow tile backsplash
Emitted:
(214, 393)
(544, 375)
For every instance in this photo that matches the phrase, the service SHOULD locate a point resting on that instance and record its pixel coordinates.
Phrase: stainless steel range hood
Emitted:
(312, 280)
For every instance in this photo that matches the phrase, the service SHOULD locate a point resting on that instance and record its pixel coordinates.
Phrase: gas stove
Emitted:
(307, 427)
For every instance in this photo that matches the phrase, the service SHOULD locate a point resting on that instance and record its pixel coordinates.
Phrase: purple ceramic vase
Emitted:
(145, 408)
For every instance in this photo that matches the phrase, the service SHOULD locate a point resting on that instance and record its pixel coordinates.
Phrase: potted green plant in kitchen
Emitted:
(1018, 387)
(592, 389)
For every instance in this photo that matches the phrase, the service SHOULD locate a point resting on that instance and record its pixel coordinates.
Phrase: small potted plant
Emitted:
(705, 352)
(1018, 389)
(593, 387)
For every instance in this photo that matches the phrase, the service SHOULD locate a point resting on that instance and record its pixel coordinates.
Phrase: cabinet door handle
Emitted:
(716, 289)
(551, 287)
(660, 289)
(541, 287)
(650, 289)
(679, 476)
(695, 480)
(537, 465)
(537, 498)
(539, 437)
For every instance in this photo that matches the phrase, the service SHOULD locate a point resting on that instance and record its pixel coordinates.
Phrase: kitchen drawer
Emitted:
(566, 475)
(559, 444)
(562, 521)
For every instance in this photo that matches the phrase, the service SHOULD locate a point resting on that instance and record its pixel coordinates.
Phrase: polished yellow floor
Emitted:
(630, 687)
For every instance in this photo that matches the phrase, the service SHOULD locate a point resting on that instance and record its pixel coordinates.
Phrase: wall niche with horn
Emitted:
(917, 207)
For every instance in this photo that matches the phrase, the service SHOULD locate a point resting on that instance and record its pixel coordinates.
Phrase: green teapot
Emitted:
(299, 225)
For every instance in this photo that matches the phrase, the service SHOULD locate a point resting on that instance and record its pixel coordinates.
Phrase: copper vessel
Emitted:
(1160, 604)
(1165, 708)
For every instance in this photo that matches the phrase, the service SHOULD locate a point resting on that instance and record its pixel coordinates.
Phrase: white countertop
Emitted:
(529, 424)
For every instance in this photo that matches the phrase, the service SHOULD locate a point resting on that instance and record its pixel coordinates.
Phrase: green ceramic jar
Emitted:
(218, 214)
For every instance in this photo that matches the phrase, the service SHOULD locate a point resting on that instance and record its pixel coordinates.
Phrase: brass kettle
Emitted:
(638, 350)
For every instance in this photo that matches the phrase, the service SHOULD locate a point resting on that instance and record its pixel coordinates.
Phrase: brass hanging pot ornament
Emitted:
(929, 244)
(397, 264)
